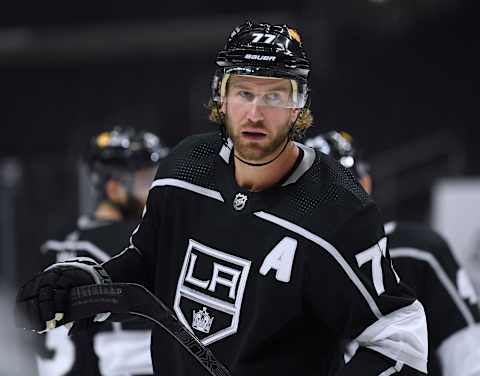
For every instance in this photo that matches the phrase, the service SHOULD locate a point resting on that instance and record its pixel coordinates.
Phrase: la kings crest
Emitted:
(209, 292)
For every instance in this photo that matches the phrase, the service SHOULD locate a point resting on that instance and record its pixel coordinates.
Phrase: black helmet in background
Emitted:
(124, 148)
(340, 145)
(127, 156)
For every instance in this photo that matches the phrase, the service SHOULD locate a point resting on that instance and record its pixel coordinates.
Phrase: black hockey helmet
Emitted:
(119, 154)
(263, 49)
(124, 148)
(340, 146)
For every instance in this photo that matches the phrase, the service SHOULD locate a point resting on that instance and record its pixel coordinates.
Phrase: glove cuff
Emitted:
(96, 271)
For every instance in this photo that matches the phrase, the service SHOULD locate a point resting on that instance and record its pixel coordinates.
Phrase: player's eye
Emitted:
(273, 99)
(246, 95)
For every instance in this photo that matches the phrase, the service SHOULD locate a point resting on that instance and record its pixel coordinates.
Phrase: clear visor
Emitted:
(280, 93)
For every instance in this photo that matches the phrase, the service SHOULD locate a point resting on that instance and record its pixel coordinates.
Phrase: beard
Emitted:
(257, 151)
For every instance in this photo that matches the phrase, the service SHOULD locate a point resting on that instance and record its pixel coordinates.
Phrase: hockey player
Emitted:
(424, 261)
(122, 164)
(268, 270)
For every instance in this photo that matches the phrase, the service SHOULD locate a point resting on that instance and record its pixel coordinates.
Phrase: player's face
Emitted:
(256, 119)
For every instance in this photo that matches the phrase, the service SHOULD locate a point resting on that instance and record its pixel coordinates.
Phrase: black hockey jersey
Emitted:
(274, 282)
(424, 260)
(104, 349)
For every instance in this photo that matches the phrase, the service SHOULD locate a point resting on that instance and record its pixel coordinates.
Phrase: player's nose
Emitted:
(255, 113)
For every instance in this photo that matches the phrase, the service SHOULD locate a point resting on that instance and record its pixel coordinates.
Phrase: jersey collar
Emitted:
(304, 165)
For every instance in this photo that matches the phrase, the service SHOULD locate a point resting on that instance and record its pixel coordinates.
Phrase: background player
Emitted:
(424, 261)
(121, 163)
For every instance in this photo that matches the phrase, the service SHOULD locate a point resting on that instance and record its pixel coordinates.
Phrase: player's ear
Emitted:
(294, 114)
(223, 108)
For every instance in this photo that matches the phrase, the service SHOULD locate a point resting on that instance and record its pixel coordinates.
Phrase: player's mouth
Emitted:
(253, 135)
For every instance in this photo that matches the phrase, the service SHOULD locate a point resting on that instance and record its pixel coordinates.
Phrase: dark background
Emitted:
(399, 75)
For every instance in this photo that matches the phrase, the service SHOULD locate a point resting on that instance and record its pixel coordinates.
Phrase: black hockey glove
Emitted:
(41, 302)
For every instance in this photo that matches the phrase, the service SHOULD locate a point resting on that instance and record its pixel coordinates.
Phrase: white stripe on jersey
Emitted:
(75, 246)
(400, 335)
(396, 368)
(226, 150)
(307, 162)
(133, 233)
(441, 274)
(393, 335)
(330, 249)
(131, 248)
(180, 184)
(188, 186)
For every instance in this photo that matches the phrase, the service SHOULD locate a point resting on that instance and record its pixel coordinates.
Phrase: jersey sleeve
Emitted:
(135, 263)
(354, 290)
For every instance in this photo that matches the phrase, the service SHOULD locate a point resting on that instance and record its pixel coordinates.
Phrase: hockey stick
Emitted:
(136, 300)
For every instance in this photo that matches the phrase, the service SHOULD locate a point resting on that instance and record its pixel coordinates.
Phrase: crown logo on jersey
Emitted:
(240, 201)
(202, 320)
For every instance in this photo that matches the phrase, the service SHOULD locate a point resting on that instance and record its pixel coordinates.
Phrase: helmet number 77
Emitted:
(257, 38)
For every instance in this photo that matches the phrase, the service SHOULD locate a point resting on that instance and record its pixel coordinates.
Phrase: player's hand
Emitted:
(41, 302)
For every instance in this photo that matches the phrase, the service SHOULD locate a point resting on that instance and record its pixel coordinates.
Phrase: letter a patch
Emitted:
(281, 258)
